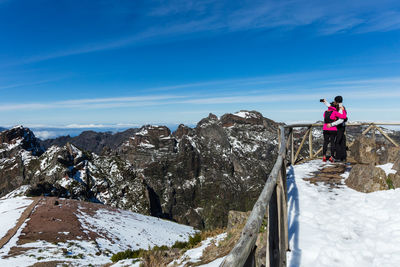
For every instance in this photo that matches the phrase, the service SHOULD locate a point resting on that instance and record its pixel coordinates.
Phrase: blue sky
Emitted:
(76, 63)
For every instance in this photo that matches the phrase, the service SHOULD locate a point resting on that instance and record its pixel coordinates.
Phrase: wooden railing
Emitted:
(274, 197)
(372, 126)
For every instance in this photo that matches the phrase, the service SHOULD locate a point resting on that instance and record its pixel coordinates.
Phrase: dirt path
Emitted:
(330, 175)
(27, 212)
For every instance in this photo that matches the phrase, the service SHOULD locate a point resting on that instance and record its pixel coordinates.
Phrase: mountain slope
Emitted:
(82, 233)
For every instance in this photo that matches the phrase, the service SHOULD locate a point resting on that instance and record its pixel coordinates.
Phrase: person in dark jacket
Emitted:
(340, 143)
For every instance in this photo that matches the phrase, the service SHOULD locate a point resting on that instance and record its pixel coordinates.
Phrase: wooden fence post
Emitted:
(301, 144)
(273, 231)
(310, 144)
(285, 211)
(292, 148)
(387, 136)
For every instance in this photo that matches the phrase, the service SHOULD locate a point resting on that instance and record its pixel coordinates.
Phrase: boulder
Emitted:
(367, 178)
(364, 150)
(394, 180)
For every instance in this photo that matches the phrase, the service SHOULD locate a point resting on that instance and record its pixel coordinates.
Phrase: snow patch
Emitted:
(10, 211)
(388, 168)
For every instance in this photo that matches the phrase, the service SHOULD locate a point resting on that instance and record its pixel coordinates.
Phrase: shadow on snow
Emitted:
(293, 218)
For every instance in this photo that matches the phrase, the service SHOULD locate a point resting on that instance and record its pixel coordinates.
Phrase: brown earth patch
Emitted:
(330, 175)
(55, 223)
(51, 264)
(54, 220)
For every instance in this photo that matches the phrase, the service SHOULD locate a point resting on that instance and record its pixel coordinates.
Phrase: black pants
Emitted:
(329, 138)
(340, 143)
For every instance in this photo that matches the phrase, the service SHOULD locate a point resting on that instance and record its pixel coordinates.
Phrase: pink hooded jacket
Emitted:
(334, 116)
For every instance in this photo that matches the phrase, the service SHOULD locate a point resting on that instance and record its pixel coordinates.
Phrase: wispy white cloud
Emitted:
(32, 83)
(185, 17)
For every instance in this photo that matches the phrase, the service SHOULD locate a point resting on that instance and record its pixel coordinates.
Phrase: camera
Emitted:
(321, 100)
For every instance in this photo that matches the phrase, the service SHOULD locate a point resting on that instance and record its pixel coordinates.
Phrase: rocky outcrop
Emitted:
(364, 150)
(367, 178)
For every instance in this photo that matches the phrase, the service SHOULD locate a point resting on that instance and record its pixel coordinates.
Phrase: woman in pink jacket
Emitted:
(331, 118)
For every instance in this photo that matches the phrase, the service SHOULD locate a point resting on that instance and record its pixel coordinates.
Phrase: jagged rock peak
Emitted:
(23, 137)
(211, 119)
(242, 117)
(181, 131)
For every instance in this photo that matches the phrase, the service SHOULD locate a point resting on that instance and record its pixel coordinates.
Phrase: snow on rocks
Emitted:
(194, 255)
(245, 114)
(340, 226)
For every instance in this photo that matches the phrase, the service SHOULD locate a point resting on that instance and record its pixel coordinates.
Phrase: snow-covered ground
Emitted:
(10, 211)
(340, 226)
(133, 230)
(118, 230)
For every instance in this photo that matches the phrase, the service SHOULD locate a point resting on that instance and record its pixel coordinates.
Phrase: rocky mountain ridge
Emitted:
(193, 175)
(96, 142)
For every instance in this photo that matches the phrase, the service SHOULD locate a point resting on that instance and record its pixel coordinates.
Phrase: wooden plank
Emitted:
(282, 220)
(285, 210)
(368, 129)
(386, 136)
(279, 138)
(288, 139)
(364, 132)
(316, 153)
(301, 144)
(310, 148)
(279, 208)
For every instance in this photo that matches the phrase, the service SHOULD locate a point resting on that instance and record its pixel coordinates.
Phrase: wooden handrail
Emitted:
(296, 125)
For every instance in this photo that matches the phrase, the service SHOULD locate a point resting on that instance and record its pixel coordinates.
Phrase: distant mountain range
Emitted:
(193, 175)
(92, 141)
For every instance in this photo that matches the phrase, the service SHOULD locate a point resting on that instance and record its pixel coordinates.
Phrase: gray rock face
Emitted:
(367, 178)
(364, 150)
(193, 176)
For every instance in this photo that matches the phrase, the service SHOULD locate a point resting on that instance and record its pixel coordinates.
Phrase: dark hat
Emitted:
(339, 99)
